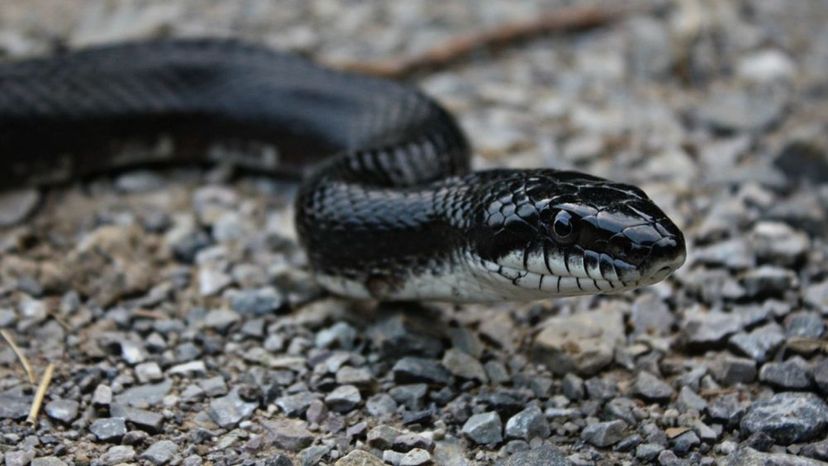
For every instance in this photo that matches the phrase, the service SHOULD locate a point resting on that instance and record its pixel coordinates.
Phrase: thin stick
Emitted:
(23, 361)
(563, 20)
(41, 393)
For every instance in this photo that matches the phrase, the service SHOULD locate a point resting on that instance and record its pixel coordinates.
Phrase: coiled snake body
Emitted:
(388, 208)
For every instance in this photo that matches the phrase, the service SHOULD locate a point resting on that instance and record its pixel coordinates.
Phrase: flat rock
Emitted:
(484, 428)
(229, 410)
(416, 457)
(359, 458)
(651, 388)
(160, 452)
(604, 434)
(528, 424)
(793, 374)
(760, 343)
(730, 370)
(144, 395)
(141, 418)
(63, 410)
(415, 370)
(117, 455)
(47, 461)
(704, 330)
(288, 434)
(343, 398)
(464, 366)
(750, 457)
(108, 429)
(543, 455)
(788, 417)
(584, 342)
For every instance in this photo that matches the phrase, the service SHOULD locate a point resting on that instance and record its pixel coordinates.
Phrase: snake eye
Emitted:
(563, 228)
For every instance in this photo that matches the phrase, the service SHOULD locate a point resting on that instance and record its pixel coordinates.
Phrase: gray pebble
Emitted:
(583, 342)
(148, 372)
(392, 457)
(213, 386)
(47, 461)
(118, 454)
(211, 281)
(191, 369)
(63, 410)
(705, 330)
(108, 429)
(648, 451)
(382, 437)
(160, 452)
(414, 370)
(728, 409)
(102, 396)
(651, 316)
(651, 388)
(528, 424)
(742, 109)
(804, 324)
(296, 404)
(142, 418)
(484, 428)
(257, 302)
(746, 456)
(767, 281)
(685, 442)
(788, 417)
(496, 372)
(381, 406)
(339, 335)
(731, 370)
(544, 455)
(411, 396)
(778, 243)
(142, 395)
(19, 457)
(464, 366)
(343, 398)
(407, 442)
(688, 399)
(288, 434)
(573, 387)
(604, 434)
(760, 343)
(416, 457)
(359, 376)
(229, 410)
(221, 319)
(793, 374)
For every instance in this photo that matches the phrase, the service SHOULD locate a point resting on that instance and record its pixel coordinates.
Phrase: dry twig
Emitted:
(20, 356)
(564, 20)
(41, 393)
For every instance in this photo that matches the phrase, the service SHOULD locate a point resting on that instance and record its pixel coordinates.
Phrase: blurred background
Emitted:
(187, 286)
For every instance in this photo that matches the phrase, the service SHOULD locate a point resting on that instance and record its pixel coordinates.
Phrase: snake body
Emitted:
(388, 207)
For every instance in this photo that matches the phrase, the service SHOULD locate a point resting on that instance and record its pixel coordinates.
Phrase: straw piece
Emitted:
(23, 361)
(40, 394)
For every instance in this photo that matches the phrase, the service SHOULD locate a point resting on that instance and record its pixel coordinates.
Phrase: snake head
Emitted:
(549, 233)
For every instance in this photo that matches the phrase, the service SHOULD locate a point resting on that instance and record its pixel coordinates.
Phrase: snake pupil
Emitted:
(563, 227)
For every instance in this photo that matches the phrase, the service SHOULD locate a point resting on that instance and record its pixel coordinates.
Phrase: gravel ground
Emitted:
(185, 329)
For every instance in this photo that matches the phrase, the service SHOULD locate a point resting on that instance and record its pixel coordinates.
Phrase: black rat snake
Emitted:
(388, 208)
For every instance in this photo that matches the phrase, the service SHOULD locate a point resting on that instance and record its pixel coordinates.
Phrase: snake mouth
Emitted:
(543, 285)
